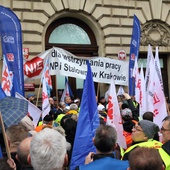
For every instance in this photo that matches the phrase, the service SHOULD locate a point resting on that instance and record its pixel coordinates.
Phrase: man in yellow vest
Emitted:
(142, 136)
(165, 130)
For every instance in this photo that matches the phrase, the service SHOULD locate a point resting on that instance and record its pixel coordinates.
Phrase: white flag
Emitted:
(142, 104)
(137, 81)
(149, 79)
(6, 78)
(160, 111)
(45, 100)
(66, 91)
(120, 91)
(113, 117)
(156, 97)
(33, 111)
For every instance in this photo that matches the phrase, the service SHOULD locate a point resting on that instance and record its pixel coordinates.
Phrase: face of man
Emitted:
(138, 134)
(165, 130)
(51, 101)
(68, 100)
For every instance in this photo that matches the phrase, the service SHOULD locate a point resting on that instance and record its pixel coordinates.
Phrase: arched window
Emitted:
(76, 37)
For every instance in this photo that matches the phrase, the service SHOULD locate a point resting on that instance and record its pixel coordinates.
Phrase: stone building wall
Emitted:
(110, 20)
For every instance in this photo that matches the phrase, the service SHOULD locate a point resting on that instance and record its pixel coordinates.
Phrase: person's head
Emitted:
(68, 100)
(73, 106)
(48, 150)
(23, 151)
(62, 105)
(148, 116)
(51, 101)
(48, 120)
(165, 130)
(102, 100)
(142, 158)
(31, 97)
(27, 122)
(15, 134)
(77, 102)
(105, 139)
(144, 130)
(126, 114)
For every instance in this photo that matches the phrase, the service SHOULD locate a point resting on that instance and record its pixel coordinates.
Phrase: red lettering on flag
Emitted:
(156, 99)
(10, 56)
(44, 96)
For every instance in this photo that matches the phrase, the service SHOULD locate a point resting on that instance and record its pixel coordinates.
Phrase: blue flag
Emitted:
(134, 51)
(11, 39)
(2, 94)
(88, 121)
(69, 88)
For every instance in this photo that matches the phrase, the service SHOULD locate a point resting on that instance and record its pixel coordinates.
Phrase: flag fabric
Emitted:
(67, 91)
(45, 100)
(6, 79)
(137, 81)
(48, 78)
(134, 51)
(158, 68)
(120, 91)
(149, 77)
(113, 116)
(156, 97)
(2, 94)
(11, 40)
(88, 121)
(33, 110)
(142, 102)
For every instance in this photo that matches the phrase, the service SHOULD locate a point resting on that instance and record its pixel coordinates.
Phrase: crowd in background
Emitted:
(49, 145)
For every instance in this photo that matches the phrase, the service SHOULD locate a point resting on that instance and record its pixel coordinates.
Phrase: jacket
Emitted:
(105, 162)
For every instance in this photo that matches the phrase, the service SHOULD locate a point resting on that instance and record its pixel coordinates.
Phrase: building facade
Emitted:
(107, 23)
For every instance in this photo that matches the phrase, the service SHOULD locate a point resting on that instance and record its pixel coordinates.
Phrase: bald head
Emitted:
(23, 151)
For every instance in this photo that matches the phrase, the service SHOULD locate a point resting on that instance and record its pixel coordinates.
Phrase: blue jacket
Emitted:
(106, 163)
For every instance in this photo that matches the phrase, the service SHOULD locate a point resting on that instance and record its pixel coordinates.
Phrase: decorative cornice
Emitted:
(155, 33)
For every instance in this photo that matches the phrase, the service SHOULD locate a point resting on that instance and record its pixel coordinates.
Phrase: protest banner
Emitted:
(64, 63)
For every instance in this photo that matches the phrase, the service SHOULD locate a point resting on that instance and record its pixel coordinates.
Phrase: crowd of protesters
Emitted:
(49, 146)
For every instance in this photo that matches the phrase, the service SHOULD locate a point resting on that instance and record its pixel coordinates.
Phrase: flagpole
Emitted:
(56, 91)
(38, 93)
(98, 88)
(4, 136)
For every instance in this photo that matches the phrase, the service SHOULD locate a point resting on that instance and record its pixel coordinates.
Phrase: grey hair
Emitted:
(48, 150)
(73, 106)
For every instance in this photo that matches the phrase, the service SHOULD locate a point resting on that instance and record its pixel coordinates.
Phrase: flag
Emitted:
(88, 121)
(45, 100)
(158, 68)
(149, 78)
(156, 96)
(33, 110)
(11, 40)
(48, 78)
(6, 79)
(67, 90)
(134, 51)
(113, 116)
(120, 91)
(2, 94)
(142, 101)
(137, 81)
